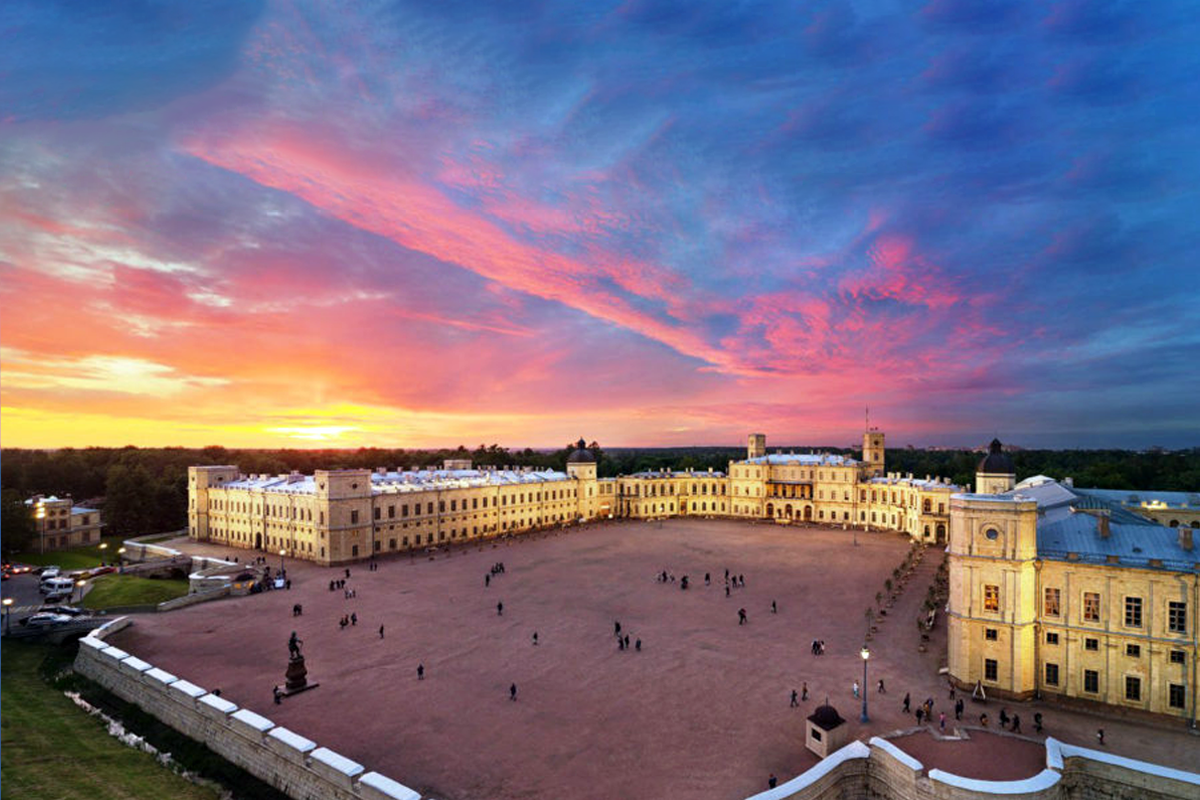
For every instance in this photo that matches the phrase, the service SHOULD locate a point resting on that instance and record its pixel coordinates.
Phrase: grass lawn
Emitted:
(50, 749)
(113, 590)
(75, 558)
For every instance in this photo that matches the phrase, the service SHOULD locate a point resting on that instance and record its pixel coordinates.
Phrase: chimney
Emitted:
(1102, 525)
(1185, 538)
(1069, 482)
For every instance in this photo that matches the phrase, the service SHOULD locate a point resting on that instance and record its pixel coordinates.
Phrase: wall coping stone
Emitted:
(93, 642)
(218, 703)
(136, 664)
(1038, 783)
(807, 778)
(292, 739)
(382, 787)
(1074, 751)
(337, 761)
(896, 753)
(256, 721)
(1054, 758)
(115, 653)
(160, 675)
(188, 688)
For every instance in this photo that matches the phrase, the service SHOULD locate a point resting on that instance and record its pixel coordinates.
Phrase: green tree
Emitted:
(16, 522)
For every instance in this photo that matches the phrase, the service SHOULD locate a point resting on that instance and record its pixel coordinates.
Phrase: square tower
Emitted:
(873, 452)
(200, 480)
(756, 445)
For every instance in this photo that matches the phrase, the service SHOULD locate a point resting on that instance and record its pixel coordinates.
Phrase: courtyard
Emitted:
(701, 711)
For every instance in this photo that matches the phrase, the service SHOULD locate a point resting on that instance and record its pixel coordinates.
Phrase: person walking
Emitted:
(627, 641)
(774, 608)
(487, 581)
(420, 672)
(880, 688)
(616, 628)
(638, 645)
(1037, 722)
(920, 714)
(535, 639)
(512, 692)
(741, 616)
(854, 687)
(380, 631)
(1016, 726)
(499, 609)
(907, 701)
(804, 690)
(795, 700)
(958, 708)
(771, 781)
(727, 590)
(1100, 735)
(354, 618)
(942, 721)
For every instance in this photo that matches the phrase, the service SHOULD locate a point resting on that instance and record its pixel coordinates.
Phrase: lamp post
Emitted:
(866, 655)
(79, 585)
(102, 548)
(8, 601)
(282, 553)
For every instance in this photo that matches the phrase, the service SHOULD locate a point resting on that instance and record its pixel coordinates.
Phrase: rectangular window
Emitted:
(391, 512)
(1052, 674)
(1133, 650)
(404, 510)
(1133, 612)
(989, 634)
(1091, 681)
(378, 512)
(1052, 605)
(1133, 688)
(1177, 617)
(991, 597)
(1178, 657)
(1091, 606)
(354, 516)
(1176, 694)
(1091, 644)
(441, 506)
(1051, 638)
(990, 669)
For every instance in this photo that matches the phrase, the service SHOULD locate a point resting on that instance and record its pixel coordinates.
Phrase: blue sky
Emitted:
(652, 223)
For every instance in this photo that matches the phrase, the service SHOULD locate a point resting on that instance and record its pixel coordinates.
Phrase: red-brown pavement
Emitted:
(702, 712)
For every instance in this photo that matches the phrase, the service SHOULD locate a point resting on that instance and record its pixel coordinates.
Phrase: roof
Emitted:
(401, 482)
(803, 460)
(825, 717)
(928, 485)
(1146, 498)
(650, 474)
(996, 462)
(581, 455)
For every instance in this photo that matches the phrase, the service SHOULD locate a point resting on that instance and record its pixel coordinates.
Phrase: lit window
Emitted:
(1052, 605)
(991, 597)
(1091, 606)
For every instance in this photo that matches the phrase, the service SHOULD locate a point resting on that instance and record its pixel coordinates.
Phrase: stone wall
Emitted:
(276, 755)
(880, 769)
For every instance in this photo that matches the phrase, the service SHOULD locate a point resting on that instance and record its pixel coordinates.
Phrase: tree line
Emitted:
(144, 490)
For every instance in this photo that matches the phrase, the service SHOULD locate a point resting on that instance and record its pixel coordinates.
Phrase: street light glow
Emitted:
(865, 653)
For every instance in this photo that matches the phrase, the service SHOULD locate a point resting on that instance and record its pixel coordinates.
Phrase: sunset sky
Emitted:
(439, 223)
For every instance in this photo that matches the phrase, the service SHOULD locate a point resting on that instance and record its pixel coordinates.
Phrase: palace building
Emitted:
(1056, 590)
(335, 516)
(60, 524)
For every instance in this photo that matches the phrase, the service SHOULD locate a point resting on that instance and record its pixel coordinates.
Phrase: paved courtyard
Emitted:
(701, 712)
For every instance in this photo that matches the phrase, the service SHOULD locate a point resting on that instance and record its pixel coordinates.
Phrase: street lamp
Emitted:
(8, 601)
(282, 553)
(79, 585)
(866, 655)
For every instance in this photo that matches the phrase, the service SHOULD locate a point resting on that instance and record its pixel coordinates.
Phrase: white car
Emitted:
(45, 620)
(50, 572)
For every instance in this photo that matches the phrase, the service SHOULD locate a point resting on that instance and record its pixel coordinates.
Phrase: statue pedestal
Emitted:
(296, 677)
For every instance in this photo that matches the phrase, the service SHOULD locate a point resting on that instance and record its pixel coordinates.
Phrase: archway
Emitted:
(941, 532)
(770, 509)
(1174, 523)
(808, 513)
(258, 541)
(788, 511)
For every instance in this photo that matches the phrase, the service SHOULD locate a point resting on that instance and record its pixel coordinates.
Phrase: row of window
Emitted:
(1176, 692)
(1176, 611)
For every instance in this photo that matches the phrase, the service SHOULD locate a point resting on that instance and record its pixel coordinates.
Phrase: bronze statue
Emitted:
(294, 646)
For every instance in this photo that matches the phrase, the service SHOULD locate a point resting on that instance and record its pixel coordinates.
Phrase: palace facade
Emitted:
(60, 524)
(335, 516)
(1059, 591)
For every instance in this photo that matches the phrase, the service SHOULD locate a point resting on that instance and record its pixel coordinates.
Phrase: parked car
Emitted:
(45, 620)
(50, 585)
(59, 596)
(49, 572)
(19, 569)
(70, 611)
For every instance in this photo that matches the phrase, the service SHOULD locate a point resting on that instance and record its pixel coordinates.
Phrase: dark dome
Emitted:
(581, 455)
(996, 462)
(826, 717)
